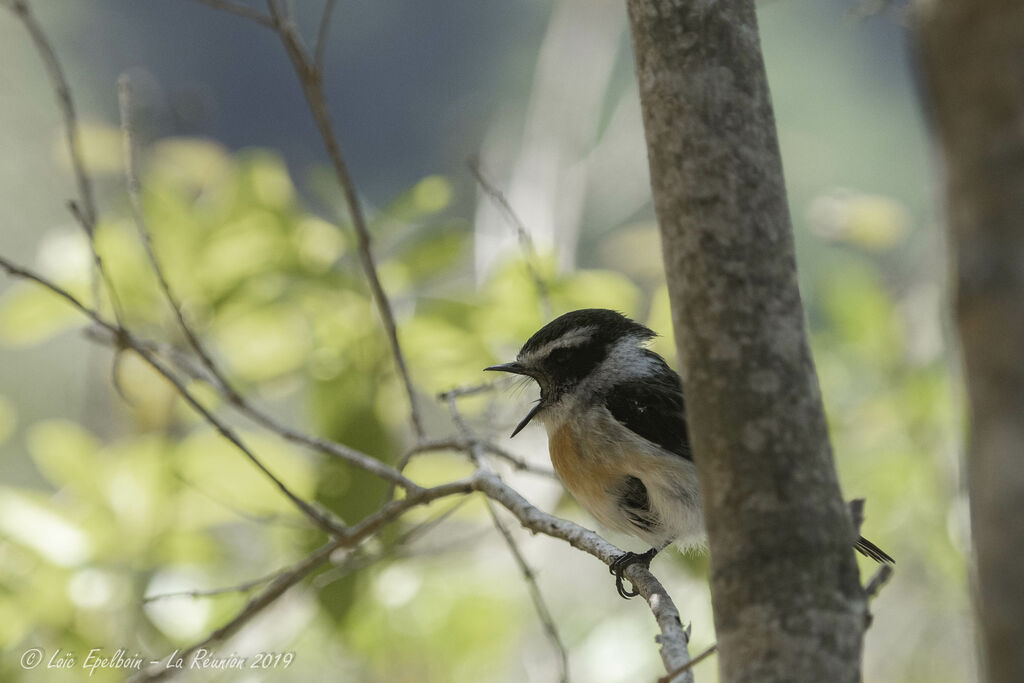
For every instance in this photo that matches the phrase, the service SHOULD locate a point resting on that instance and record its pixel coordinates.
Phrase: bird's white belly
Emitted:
(594, 458)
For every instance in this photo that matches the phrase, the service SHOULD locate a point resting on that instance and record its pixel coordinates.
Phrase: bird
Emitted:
(615, 419)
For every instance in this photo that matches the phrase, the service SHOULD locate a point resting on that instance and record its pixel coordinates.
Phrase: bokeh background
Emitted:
(106, 499)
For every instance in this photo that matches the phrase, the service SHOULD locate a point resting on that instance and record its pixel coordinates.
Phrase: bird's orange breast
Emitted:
(587, 477)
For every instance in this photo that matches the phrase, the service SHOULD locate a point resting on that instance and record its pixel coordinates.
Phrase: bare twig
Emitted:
(321, 37)
(673, 638)
(66, 104)
(299, 524)
(300, 570)
(312, 87)
(669, 677)
(878, 580)
(127, 339)
(284, 579)
(352, 562)
(856, 507)
(394, 550)
(243, 587)
(475, 452)
(281, 583)
(242, 405)
(308, 67)
(518, 463)
(84, 207)
(241, 10)
(124, 97)
(539, 604)
(525, 241)
(463, 444)
(471, 390)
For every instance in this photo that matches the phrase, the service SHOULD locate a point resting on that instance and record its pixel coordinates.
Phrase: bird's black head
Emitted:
(568, 349)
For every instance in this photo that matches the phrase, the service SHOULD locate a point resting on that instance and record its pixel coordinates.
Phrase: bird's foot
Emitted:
(623, 561)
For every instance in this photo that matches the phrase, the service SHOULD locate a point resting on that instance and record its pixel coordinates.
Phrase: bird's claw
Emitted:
(623, 561)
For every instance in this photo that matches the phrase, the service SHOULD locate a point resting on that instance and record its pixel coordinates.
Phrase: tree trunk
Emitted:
(973, 60)
(787, 600)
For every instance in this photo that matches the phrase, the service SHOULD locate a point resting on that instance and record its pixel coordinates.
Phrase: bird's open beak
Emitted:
(513, 367)
(518, 369)
(526, 420)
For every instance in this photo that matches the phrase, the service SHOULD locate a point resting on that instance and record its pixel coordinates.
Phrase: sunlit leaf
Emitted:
(269, 179)
(221, 471)
(99, 145)
(432, 194)
(34, 522)
(264, 343)
(193, 163)
(65, 453)
(862, 312)
(435, 252)
(597, 289)
(30, 314)
(869, 221)
(318, 242)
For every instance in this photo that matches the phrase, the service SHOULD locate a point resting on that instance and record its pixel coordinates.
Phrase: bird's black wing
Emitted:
(653, 408)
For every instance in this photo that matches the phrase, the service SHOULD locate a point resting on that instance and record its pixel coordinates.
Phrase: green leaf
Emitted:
(64, 452)
(435, 251)
(264, 343)
(35, 522)
(30, 314)
(222, 471)
(597, 289)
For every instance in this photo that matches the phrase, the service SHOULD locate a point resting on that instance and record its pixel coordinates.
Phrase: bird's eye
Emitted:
(560, 356)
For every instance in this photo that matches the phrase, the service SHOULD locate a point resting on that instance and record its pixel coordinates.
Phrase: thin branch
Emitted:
(878, 580)
(115, 300)
(673, 638)
(471, 390)
(393, 550)
(67, 108)
(217, 377)
(239, 9)
(278, 586)
(475, 452)
(525, 241)
(517, 462)
(312, 87)
(464, 444)
(668, 678)
(321, 518)
(243, 587)
(351, 563)
(321, 37)
(279, 519)
(84, 207)
(332, 448)
(124, 98)
(293, 575)
(543, 613)
(127, 340)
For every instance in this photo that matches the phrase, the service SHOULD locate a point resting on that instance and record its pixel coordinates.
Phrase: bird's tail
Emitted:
(866, 547)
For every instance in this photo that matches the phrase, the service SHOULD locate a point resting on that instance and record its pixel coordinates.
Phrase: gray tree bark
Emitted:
(787, 600)
(972, 54)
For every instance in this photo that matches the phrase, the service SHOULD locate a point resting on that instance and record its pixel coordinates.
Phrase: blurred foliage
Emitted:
(117, 499)
(166, 504)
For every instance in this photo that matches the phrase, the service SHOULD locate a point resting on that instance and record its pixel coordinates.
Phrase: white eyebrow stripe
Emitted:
(572, 338)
